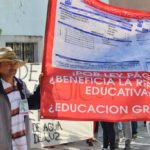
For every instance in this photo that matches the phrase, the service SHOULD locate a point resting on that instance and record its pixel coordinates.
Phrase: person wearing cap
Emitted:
(15, 100)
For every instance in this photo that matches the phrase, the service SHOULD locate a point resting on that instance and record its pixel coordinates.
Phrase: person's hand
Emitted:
(40, 77)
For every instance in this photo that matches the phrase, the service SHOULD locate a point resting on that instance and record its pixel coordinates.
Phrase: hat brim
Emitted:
(20, 62)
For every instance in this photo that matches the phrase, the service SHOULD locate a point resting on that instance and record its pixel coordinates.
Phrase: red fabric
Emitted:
(62, 99)
(131, 91)
(127, 13)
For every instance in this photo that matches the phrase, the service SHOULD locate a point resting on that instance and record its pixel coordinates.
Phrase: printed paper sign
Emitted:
(54, 132)
(30, 75)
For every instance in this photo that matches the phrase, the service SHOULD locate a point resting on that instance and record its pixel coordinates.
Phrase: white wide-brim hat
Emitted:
(8, 55)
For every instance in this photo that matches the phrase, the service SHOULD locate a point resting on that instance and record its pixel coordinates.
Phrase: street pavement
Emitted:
(142, 142)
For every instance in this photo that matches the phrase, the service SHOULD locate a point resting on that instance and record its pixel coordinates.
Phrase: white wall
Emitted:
(26, 39)
(23, 17)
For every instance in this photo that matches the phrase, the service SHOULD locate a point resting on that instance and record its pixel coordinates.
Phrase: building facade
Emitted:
(132, 4)
(22, 27)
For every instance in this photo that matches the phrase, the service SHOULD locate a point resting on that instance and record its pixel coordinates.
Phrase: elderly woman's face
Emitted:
(8, 68)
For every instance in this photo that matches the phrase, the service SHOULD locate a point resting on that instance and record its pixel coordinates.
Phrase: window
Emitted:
(24, 51)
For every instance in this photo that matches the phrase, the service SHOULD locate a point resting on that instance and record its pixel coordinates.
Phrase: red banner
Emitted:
(90, 95)
(109, 96)
(127, 13)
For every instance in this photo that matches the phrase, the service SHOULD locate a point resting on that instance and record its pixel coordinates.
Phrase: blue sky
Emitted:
(106, 1)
